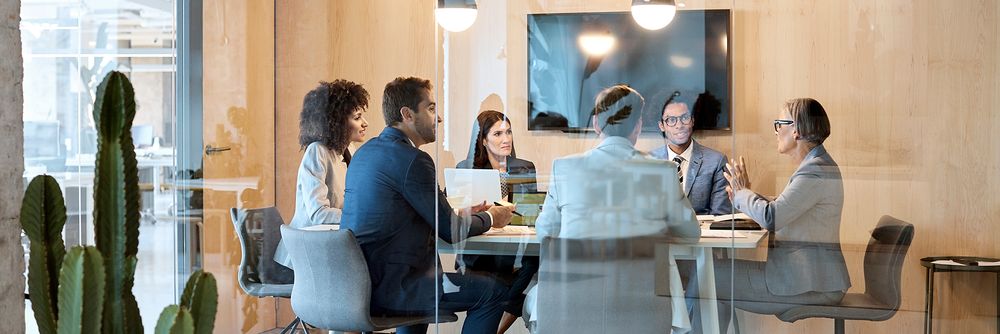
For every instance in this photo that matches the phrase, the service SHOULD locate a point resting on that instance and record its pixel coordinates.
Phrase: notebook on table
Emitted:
(738, 221)
(529, 205)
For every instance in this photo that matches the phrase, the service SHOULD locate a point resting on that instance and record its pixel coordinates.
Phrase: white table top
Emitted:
(509, 244)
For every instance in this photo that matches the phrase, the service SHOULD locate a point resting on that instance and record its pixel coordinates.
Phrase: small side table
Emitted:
(932, 268)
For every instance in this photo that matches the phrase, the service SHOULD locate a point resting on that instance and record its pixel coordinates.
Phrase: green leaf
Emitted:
(43, 216)
(201, 296)
(81, 291)
(174, 320)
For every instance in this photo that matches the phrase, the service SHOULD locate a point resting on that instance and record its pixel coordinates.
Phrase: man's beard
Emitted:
(426, 133)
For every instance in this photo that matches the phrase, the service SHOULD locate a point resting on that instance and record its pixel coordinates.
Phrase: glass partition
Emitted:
(572, 113)
(521, 85)
(69, 46)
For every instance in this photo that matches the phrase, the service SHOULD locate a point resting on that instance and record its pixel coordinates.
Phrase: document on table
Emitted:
(721, 234)
(722, 218)
(953, 263)
(511, 230)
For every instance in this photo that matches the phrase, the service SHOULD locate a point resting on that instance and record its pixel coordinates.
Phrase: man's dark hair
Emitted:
(402, 92)
(326, 111)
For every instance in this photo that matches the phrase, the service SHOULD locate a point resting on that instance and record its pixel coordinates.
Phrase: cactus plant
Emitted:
(43, 215)
(175, 319)
(116, 198)
(90, 289)
(201, 299)
(81, 291)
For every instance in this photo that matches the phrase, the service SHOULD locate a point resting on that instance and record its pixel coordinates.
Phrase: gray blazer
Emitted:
(804, 222)
(615, 191)
(704, 184)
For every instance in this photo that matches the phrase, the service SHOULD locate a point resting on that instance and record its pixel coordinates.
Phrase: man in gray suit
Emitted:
(610, 192)
(701, 167)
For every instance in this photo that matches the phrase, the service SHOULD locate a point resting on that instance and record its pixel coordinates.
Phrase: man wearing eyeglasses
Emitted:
(701, 168)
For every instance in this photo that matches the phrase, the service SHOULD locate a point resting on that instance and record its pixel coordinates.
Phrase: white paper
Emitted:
(953, 263)
(511, 229)
(721, 234)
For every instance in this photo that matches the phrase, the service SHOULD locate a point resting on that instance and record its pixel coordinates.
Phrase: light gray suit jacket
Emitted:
(804, 222)
(615, 191)
(704, 183)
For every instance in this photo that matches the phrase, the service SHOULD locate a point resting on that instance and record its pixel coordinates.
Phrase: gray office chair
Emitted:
(599, 286)
(259, 275)
(332, 287)
(883, 270)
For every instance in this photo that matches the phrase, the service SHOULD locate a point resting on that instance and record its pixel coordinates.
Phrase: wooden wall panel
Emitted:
(911, 88)
(238, 74)
(368, 42)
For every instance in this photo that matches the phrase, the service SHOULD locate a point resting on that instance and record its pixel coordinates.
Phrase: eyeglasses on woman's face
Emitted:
(778, 123)
(672, 120)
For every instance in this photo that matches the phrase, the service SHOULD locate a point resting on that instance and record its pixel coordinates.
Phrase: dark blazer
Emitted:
(389, 204)
(517, 169)
(705, 184)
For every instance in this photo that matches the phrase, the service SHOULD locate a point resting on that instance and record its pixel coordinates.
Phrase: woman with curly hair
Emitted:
(330, 121)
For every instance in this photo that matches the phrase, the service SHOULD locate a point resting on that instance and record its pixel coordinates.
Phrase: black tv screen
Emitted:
(690, 56)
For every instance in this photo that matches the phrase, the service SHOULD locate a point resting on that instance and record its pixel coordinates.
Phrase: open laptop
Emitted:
(472, 186)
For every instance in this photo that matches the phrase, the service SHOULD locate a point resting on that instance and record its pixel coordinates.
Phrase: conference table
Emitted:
(519, 240)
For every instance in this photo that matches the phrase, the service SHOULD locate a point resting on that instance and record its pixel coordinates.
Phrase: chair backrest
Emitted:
(258, 232)
(884, 260)
(332, 288)
(599, 286)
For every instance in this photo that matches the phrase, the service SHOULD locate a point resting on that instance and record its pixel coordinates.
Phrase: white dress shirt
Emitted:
(684, 163)
(319, 192)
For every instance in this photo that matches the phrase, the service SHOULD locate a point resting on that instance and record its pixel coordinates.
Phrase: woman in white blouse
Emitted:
(330, 121)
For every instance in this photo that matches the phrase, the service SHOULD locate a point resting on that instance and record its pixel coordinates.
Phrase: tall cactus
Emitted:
(116, 199)
(43, 215)
(201, 297)
(81, 291)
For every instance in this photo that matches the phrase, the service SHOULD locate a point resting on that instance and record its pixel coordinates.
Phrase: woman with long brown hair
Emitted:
(493, 148)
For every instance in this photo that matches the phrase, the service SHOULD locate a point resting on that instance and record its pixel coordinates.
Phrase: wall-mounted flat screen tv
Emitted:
(572, 57)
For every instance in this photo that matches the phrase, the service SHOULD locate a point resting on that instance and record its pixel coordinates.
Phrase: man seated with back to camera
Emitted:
(396, 210)
(612, 191)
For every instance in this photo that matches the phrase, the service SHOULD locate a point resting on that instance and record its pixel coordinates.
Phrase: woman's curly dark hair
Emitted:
(326, 111)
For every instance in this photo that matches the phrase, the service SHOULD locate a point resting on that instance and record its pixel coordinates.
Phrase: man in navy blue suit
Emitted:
(396, 210)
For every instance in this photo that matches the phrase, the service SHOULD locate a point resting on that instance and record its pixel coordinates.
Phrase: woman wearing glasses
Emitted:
(804, 263)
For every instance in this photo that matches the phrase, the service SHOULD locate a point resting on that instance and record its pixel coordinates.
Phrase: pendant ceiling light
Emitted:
(653, 14)
(455, 15)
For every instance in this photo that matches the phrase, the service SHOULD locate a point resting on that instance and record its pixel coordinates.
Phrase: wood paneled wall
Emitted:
(912, 89)
(238, 112)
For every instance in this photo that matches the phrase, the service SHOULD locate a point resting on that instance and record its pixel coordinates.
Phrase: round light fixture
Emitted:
(455, 15)
(596, 44)
(653, 14)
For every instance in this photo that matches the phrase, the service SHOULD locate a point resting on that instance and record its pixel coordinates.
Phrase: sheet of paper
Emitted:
(736, 216)
(953, 263)
(721, 234)
(511, 230)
